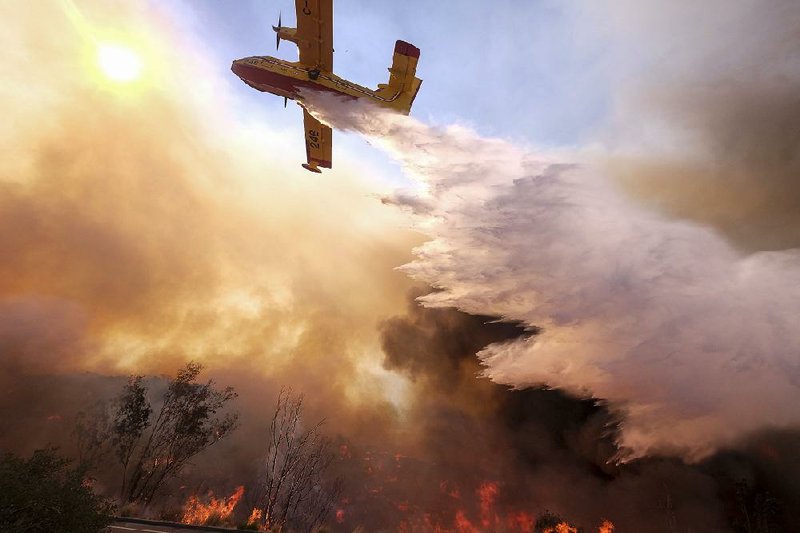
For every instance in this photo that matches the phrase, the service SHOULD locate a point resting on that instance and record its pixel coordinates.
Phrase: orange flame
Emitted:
(198, 513)
(463, 525)
(563, 527)
(516, 521)
(521, 521)
(467, 512)
(488, 494)
(340, 516)
(255, 518)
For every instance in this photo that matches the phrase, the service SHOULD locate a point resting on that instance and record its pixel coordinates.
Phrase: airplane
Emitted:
(314, 70)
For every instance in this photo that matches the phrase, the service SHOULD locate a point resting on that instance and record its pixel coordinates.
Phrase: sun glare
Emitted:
(119, 63)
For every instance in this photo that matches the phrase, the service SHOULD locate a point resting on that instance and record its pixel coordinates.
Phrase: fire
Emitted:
(606, 527)
(216, 510)
(522, 522)
(563, 527)
(255, 518)
(488, 494)
(344, 451)
(458, 507)
(515, 521)
(451, 491)
(463, 525)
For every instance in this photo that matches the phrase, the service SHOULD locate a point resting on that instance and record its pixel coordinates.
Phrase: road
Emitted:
(123, 526)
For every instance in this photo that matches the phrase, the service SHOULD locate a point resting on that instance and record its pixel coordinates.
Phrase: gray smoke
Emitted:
(707, 111)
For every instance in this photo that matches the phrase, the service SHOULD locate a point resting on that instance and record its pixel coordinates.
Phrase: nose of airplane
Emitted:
(237, 68)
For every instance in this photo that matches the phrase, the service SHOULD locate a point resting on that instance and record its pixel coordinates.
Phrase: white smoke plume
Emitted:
(692, 342)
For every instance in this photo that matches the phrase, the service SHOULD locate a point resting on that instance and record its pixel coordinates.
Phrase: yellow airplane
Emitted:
(314, 39)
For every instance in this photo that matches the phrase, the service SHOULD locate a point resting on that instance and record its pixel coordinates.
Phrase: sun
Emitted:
(119, 63)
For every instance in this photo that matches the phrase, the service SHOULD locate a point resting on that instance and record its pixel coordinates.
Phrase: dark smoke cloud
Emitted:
(39, 410)
(436, 345)
(549, 450)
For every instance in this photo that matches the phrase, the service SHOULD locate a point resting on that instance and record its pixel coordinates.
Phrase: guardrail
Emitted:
(176, 525)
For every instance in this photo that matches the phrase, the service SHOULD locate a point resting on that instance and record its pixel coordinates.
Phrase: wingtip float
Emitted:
(314, 71)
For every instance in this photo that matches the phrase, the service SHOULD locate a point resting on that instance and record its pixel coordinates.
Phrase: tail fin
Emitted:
(403, 84)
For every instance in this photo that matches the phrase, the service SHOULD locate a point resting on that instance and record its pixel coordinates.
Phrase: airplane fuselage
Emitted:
(289, 79)
(314, 72)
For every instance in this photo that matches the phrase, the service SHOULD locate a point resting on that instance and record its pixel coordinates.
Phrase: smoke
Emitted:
(144, 227)
(39, 333)
(706, 119)
(528, 451)
(149, 224)
(688, 339)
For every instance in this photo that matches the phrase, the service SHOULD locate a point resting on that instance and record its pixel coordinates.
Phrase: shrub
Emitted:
(46, 494)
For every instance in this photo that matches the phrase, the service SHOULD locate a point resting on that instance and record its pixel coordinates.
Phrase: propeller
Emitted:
(278, 32)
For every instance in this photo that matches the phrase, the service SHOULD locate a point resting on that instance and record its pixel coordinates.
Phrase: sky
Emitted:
(505, 69)
(621, 175)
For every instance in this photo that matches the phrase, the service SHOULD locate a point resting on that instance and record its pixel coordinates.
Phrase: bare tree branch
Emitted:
(295, 494)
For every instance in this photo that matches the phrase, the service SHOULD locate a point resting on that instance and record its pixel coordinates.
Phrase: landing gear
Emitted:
(313, 73)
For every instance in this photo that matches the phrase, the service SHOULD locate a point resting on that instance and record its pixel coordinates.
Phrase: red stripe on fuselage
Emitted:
(272, 82)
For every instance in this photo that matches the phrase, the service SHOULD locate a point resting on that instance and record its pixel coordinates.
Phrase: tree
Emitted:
(131, 419)
(293, 488)
(757, 511)
(547, 522)
(46, 494)
(154, 451)
(91, 434)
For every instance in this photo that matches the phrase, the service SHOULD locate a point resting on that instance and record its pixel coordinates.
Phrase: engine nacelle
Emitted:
(286, 34)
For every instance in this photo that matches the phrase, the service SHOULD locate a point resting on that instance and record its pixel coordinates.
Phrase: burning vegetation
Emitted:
(472, 456)
(149, 447)
(211, 511)
(293, 491)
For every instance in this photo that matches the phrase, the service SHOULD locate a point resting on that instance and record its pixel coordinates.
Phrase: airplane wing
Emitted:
(318, 143)
(315, 33)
